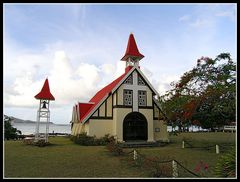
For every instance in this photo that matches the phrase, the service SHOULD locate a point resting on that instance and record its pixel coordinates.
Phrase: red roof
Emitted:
(132, 50)
(45, 92)
(86, 108)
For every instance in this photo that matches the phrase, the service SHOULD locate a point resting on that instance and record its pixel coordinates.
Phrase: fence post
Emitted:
(134, 155)
(175, 170)
(183, 144)
(217, 149)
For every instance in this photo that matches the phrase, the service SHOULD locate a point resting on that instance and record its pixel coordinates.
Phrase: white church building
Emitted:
(126, 108)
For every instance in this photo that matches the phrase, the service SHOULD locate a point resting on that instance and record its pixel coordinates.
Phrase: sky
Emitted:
(78, 47)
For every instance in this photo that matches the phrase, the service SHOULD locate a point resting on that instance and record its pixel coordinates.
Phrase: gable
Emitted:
(142, 76)
(101, 96)
(110, 89)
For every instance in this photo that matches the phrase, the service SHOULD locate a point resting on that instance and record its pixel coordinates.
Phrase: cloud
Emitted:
(184, 18)
(68, 84)
(202, 23)
(228, 14)
(162, 85)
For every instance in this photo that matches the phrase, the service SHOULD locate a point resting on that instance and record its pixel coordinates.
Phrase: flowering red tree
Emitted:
(201, 168)
(205, 94)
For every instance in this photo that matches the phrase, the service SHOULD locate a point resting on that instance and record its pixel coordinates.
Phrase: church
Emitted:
(126, 108)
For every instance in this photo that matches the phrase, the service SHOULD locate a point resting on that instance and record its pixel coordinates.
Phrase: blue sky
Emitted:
(79, 47)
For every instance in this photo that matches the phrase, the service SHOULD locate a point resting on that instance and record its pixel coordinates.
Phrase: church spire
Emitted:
(132, 54)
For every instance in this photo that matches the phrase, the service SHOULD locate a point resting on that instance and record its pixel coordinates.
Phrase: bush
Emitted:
(9, 131)
(114, 147)
(41, 143)
(226, 165)
(84, 139)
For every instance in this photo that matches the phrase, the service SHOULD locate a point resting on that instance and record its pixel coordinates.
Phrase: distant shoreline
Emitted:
(29, 122)
(33, 122)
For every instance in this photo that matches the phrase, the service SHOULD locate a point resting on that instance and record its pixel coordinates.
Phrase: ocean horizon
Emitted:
(29, 128)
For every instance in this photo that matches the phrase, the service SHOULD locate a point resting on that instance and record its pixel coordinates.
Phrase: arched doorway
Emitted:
(135, 127)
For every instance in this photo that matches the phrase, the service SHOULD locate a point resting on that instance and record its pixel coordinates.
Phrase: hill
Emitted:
(17, 120)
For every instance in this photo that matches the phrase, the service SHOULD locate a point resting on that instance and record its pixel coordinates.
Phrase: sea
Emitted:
(29, 128)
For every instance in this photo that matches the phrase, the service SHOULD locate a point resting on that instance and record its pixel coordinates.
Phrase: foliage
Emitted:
(41, 143)
(114, 147)
(9, 131)
(156, 168)
(84, 139)
(204, 96)
(226, 165)
(152, 164)
(201, 168)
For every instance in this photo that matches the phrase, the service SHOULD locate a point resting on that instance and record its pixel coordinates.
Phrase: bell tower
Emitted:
(132, 55)
(43, 113)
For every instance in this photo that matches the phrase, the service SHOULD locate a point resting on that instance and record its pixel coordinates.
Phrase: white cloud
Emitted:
(202, 23)
(184, 18)
(109, 69)
(228, 14)
(68, 84)
(162, 85)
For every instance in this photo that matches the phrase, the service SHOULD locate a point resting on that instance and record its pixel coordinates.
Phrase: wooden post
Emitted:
(175, 170)
(183, 144)
(217, 149)
(134, 155)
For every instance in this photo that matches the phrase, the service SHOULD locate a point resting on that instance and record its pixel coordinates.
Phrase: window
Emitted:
(127, 97)
(140, 81)
(129, 80)
(142, 98)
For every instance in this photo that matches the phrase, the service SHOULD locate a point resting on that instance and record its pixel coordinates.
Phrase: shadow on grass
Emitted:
(47, 145)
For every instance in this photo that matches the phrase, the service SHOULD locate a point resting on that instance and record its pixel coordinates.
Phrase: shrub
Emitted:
(9, 131)
(226, 165)
(84, 139)
(114, 147)
(41, 143)
(156, 168)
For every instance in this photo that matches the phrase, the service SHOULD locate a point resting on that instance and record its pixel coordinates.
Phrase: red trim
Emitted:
(132, 50)
(127, 69)
(45, 92)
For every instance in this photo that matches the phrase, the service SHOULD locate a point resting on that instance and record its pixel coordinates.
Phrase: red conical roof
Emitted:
(132, 50)
(45, 92)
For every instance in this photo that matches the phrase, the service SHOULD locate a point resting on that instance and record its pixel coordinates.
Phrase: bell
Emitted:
(44, 105)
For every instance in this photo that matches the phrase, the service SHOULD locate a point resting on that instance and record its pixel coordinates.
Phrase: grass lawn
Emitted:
(65, 159)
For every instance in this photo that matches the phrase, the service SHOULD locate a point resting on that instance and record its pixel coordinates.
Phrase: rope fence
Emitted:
(174, 163)
(217, 146)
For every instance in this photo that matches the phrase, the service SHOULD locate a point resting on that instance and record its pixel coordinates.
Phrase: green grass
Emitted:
(65, 159)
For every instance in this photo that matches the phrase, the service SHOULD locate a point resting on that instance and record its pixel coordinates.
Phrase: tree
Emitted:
(204, 95)
(9, 131)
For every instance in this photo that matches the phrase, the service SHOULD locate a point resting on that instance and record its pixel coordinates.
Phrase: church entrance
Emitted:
(135, 127)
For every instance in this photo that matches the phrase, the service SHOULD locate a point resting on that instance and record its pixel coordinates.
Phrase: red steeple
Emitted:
(132, 50)
(45, 92)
